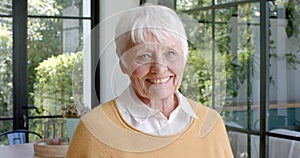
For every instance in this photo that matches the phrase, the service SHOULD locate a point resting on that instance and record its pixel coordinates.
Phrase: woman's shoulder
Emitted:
(209, 118)
(108, 106)
(202, 109)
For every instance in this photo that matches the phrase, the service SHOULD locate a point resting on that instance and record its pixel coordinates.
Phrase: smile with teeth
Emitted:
(160, 80)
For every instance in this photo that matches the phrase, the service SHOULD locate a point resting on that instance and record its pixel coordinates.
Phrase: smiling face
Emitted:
(155, 68)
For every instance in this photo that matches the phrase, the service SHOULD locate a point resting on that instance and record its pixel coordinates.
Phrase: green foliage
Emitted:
(230, 68)
(44, 41)
(5, 76)
(58, 82)
(44, 35)
(191, 4)
(292, 60)
(196, 82)
(293, 13)
(44, 38)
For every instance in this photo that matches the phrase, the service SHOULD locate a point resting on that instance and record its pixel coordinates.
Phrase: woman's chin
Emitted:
(158, 92)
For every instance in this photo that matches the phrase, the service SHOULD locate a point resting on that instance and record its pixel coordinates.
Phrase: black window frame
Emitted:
(20, 55)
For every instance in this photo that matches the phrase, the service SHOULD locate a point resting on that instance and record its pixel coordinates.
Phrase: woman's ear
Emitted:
(123, 68)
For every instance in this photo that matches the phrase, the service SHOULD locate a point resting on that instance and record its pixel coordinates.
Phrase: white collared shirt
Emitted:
(152, 121)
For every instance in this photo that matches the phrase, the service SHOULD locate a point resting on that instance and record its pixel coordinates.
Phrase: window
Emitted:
(46, 39)
(256, 41)
(6, 70)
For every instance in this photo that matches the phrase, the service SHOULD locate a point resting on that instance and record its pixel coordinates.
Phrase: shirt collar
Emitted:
(130, 103)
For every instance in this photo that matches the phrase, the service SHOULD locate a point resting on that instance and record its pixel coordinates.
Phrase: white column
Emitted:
(281, 77)
(86, 55)
(111, 78)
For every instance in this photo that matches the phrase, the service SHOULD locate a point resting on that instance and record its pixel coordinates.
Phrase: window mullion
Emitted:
(20, 90)
(264, 77)
(95, 62)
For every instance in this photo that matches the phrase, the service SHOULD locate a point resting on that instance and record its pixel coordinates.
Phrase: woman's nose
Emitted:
(158, 68)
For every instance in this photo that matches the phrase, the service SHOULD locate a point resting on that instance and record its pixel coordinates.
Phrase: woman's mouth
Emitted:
(159, 80)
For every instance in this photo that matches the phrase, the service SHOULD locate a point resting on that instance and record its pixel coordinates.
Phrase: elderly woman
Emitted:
(151, 118)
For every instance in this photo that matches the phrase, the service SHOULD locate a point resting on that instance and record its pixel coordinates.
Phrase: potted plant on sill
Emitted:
(72, 113)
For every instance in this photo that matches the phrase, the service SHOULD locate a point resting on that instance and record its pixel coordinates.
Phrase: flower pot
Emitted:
(71, 126)
(42, 149)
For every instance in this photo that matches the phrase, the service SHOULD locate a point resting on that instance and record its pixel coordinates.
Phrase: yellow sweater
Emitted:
(103, 133)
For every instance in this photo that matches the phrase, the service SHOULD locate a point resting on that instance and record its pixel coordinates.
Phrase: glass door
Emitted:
(6, 69)
(56, 34)
(47, 43)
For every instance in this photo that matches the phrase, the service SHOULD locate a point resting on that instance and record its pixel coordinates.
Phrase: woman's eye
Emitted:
(144, 57)
(171, 55)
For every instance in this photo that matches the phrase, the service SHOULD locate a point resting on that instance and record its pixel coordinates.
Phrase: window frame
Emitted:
(20, 57)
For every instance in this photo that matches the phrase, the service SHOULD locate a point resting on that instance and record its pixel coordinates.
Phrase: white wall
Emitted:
(112, 81)
(87, 93)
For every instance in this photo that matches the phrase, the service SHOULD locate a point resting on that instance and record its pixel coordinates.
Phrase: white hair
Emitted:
(159, 21)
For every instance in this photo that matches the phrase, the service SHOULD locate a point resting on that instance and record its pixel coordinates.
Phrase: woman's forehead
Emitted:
(167, 40)
(150, 37)
(156, 46)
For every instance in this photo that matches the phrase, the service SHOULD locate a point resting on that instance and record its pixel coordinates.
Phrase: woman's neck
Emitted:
(165, 105)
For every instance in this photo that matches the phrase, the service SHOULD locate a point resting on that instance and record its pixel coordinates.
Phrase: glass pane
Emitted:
(235, 61)
(55, 60)
(48, 128)
(6, 93)
(239, 145)
(279, 147)
(217, 2)
(76, 8)
(205, 71)
(191, 4)
(284, 112)
(237, 38)
(237, 42)
(5, 7)
(5, 125)
(55, 70)
(254, 146)
(197, 77)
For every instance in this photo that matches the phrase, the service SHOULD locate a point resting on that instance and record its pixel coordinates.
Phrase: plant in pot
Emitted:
(72, 112)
